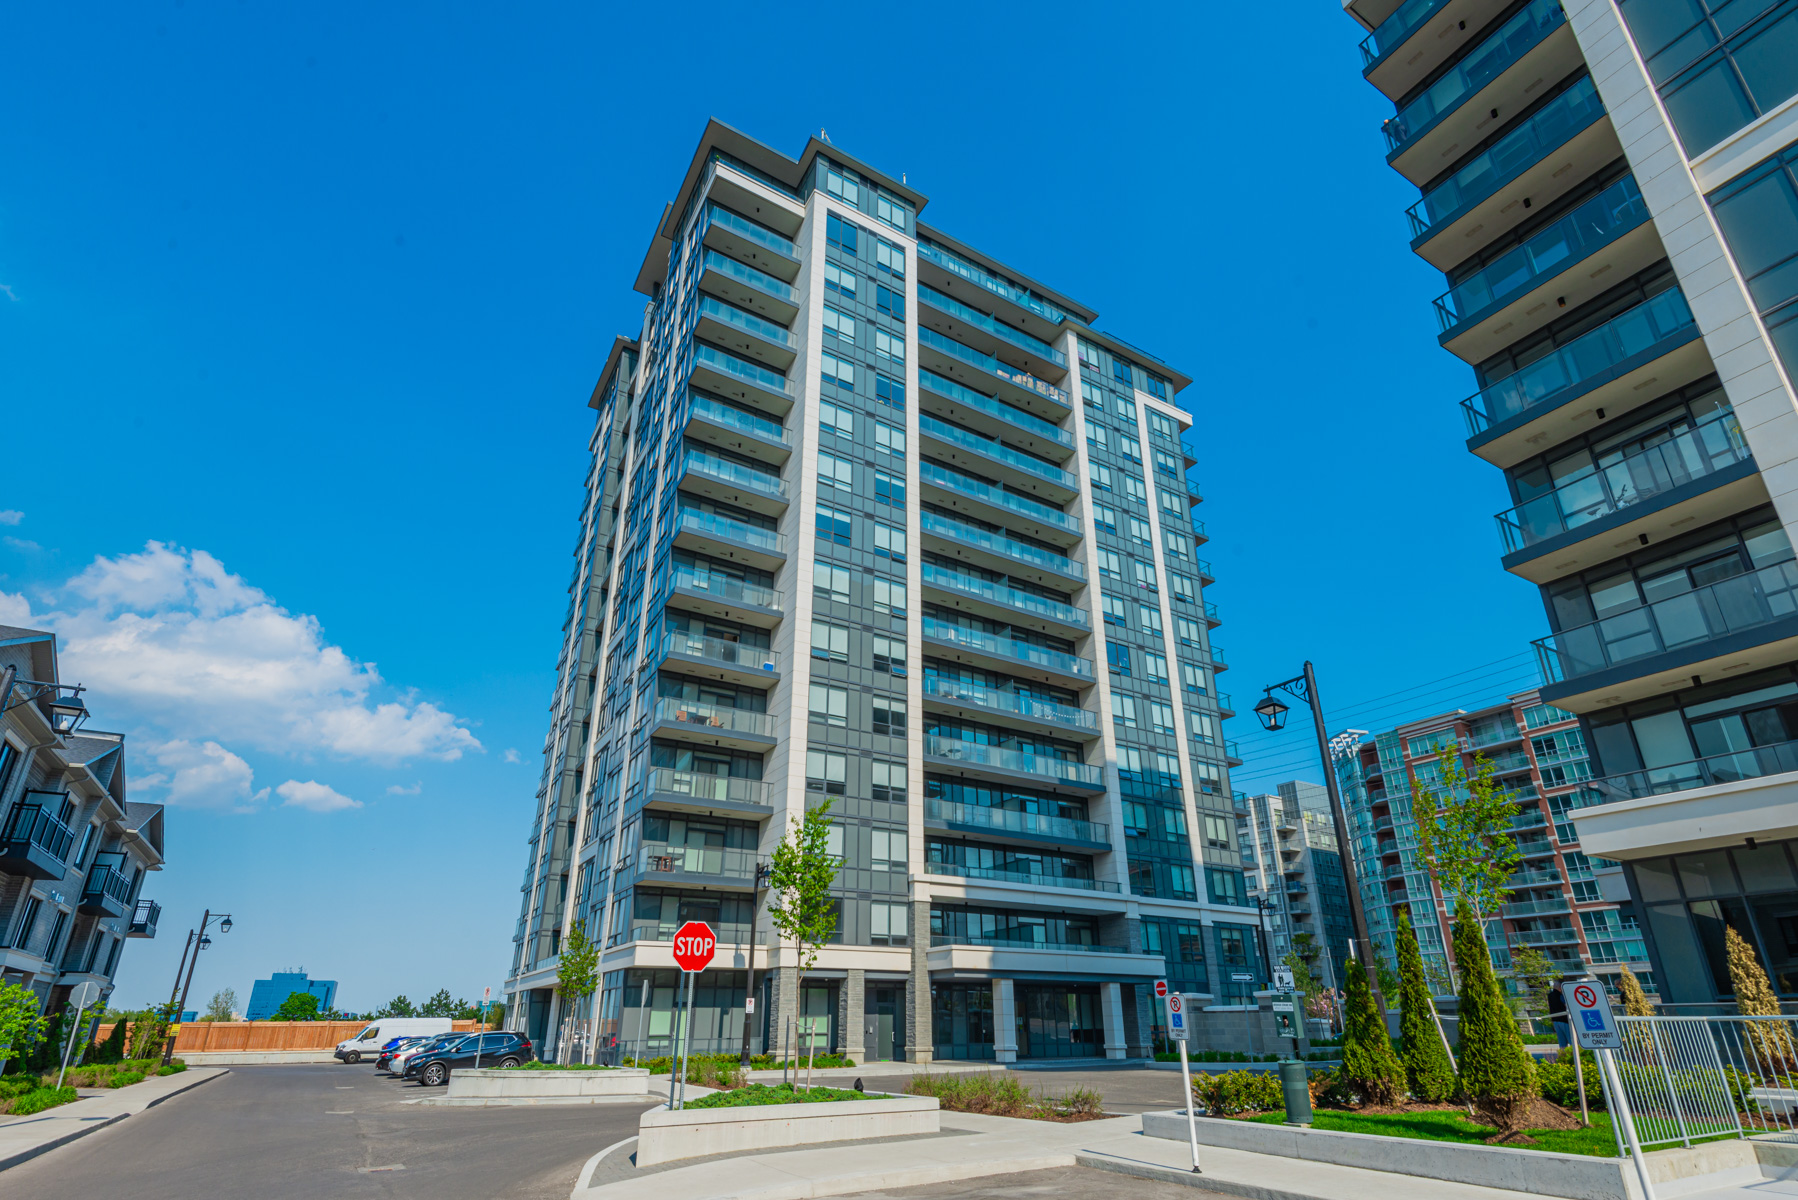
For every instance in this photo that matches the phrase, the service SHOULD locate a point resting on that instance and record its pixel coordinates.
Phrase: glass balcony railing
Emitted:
(1547, 937)
(1758, 762)
(1525, 145)
(1535, 908)
(1524, 879)
(937, 939)
(1059, 881)
(983, 755)
(713, 717)
(955, 264)
(1643, 329)
(726, 587)
(990, 365)
(997, 700)
(700, 786)
(1396, 28)
(736, 418)
(1487, 62)
(1004, 647)
(1007, 820)
(948, 389)
(730, 314)
(1625, 481)
(1023, 506)
(735, 474)
(766, 238)
(735, 531)
(1692, 618)
(999, 329)
(754, 658)
(1613, 211)
(742, 370)
(968, 585)
(660, 859)
(761, 281)
(999, 544)
(664, 931)
(995, 451)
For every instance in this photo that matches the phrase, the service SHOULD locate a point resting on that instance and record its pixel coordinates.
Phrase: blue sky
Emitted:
(301, 310)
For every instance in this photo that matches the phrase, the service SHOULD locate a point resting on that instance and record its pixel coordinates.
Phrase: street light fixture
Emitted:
(1272, 713)
(197, 940)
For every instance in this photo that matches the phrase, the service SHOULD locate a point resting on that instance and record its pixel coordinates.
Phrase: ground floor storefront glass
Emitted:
(1059, 1021)
(639, 1010)
(962, 1020)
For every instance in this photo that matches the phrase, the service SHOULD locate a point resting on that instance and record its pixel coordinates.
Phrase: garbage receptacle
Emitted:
(1295, 1086)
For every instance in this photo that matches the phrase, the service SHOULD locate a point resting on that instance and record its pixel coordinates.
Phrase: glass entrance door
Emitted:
(1059, 1022)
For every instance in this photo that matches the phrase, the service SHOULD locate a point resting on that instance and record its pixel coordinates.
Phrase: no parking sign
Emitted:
(1589, 1012)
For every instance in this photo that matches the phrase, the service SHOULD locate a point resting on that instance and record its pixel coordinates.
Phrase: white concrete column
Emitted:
(1005, 1022)
(1111, 1000)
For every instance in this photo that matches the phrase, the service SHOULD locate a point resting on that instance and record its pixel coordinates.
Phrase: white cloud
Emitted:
(314, 796)
(10, 516)
(7, 288)
(510, 756)
(172, 640)
(204, 776)
(21, 543)
(397, 790)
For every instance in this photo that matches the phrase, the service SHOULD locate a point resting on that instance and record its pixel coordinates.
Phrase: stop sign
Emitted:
(694, 945)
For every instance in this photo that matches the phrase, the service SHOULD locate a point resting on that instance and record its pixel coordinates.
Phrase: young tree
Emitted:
(1303, 981)
(1369, 1064)
(299, 1006)
(221, 1006)
(440, 1005)
(1535, 974)
(21, 1024)
(1464, 835)
(113, 1048)
(1755, 998)
(1498, 1077)
(800, 878)
(577, 971)
(399, 1006)
(1635, 1001)
(1428, 1068)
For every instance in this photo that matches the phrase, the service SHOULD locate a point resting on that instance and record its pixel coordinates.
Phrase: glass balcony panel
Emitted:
(730, 314)
(734, 473)
(726, 587)
(981, 754)
(948, 389)
(738, 368)
(1486, 62)
(736, 418)
(997, 451)
(999, 544)
(1648, 324)
(1023, 506)
(657, 858)
(941, 577)
(702, 786)
(1755, 763)
(736, 531)
(992, 325)
(760, 280)
(749, 229)
(1396, 28)
(664, 931)
(1061, 881)
(756, 658)
(937, 939)
(712, 716)
(1009, 820)
(955, 264)
(1065, 715)
(988, 643)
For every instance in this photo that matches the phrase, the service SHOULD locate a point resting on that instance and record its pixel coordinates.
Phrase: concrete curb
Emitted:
(91, 1125)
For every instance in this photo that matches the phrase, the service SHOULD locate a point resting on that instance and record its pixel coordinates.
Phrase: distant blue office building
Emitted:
(267, 995)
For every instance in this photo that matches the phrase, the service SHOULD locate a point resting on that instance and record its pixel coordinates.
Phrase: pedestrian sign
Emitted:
(1283, 981)
(1176, 1016)
(1589, 1012)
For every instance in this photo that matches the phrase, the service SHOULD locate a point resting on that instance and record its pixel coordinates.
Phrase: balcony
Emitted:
(733, 541)
(1535, 847)
(1535, 908)
(144, 919)
(966, 365)
(1631, 359)
(1022, 944)
(996, 552)
(1547, 937)
(1535, 44)
(34, 843)
(973, 452)
(1006, 655)
(754, 244)
(107, 893)
(1607, 238)
(989, 335)
(1030, 517)
(1212, 619)
(1011, 766)
(739, 379)
(1023, 877)
(1418, 37)
(663, 865)
(744, 286)
(1744, 622)
(733, 483)
(984, 703)
(715, 658)
(714, 795)
(1194, 497)
(1010, 823)
(1684, 481)
(1027, 310)
(1482, 200)
(733, 429)
(995, 418)
(744, 333)
(726, 596)
(1759, 762)
(1002, 603)
(664, 931)
(710, 725)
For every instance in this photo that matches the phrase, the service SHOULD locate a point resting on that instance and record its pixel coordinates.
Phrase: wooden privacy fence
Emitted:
(202, 1037)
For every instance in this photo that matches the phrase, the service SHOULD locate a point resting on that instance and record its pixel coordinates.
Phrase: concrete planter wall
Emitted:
(664, 1136)
(546, 1087)
(1574, 1176)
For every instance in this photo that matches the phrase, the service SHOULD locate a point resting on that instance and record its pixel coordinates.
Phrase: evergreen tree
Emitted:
(1369, 1064)
(1635, 1000)
(1755, 998)
(1428, 1068)
(113, 1048)
(1498, 1077)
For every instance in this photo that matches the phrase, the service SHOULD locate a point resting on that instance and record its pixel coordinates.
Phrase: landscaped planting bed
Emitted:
(22, 1095)
(756, 1094)
(1003, 1096)
(1452, 1125)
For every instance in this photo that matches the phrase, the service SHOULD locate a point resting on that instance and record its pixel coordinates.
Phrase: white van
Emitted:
(368, 1042)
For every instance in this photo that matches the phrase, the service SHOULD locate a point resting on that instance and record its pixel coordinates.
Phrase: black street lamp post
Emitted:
(197, 940)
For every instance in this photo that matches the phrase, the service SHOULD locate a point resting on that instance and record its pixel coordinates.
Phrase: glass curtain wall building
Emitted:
(1294, 868)
(1609, 191)
(874, 519)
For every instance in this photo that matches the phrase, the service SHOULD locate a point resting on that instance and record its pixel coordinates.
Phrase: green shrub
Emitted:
(14, 1086)
(39, 1099)
(1238, 1091)
(777, 1093)
(121, 1079)
(1368, 1061)
(1330, 1090)
(1561, 1085)
(543, 1066)
(1003, 1096)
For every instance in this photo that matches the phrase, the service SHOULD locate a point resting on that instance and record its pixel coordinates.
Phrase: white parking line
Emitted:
(388, 1167)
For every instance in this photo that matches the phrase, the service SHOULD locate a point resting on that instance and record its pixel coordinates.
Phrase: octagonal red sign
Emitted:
(694, 945)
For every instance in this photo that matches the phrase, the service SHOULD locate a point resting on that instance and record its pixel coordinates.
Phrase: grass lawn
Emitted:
(1447, 1126)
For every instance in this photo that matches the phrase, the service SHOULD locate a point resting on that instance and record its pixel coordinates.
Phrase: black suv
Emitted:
(498, 1049)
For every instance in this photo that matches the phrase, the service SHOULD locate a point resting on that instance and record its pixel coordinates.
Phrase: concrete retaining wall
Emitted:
(1574, 1176)
(563, 1087)
(664, 1136)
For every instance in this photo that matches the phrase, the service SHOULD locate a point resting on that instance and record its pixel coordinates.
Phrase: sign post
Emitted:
(694, 945)
(1176, 1030)
(1595, 1029)
(81, 997)
(480, 1036)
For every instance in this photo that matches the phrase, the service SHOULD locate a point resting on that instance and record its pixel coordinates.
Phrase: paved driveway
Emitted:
(305, 1132)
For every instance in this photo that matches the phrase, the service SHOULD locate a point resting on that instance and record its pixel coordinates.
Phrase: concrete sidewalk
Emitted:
(24, 1138)
(985, 1146)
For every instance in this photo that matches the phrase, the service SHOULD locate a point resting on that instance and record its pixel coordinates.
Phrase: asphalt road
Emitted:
(305, 1132)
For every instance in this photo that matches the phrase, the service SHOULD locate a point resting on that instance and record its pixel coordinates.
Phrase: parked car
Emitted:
(368, 1042)
(500, 1048)
(397, 1064)
(393, 1047)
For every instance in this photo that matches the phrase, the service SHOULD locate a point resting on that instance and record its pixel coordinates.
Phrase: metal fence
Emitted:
(1695, 1078)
